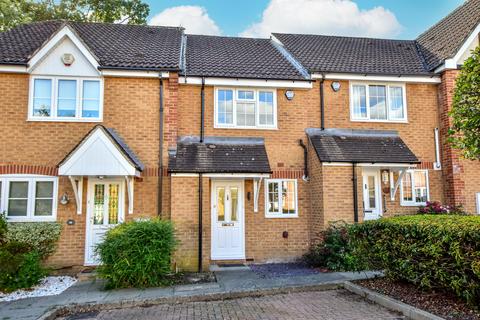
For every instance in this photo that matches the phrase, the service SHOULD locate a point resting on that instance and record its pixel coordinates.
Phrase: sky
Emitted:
(395, 19)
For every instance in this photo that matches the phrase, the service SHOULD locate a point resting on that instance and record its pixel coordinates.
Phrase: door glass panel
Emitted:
(234, 203)
(371, 192)
(113, 204)
(99, 204)
(221, 204)
(18, 198)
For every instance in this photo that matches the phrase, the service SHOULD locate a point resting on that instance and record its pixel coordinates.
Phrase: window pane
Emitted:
(43, 207)
(396, 103)
(18, 198)
(42, 97)
(99, 204)
(288, 197)
(377, 97)
(359, 102)
(91, 99)
(220, 204)
(420, 180)
(67, 98)
(266, 108)
(225, 107)
(244, 94)
(44, 189)
(245, 114)
(234, 202)
(407, 187)
(273, 200)
(113, 204)
(43, 198)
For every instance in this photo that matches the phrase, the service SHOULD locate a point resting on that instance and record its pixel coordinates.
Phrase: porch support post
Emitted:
(77, 186)
(129, 182)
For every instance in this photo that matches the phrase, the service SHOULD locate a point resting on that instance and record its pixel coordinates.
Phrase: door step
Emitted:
(228, 267)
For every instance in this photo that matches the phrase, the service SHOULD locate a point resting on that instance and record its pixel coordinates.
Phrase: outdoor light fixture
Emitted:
(289, 94)
(335, 86)
(64, 199)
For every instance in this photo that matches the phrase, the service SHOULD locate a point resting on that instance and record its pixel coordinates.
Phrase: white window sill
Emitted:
(26, 219)
(412, 204)
(64, 120)
(379, 121)
(244, 128)
(280, 216)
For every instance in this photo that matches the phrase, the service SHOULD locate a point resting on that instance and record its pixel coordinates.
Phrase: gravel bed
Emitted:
(441, 304)
(275, 270)
(49, 286)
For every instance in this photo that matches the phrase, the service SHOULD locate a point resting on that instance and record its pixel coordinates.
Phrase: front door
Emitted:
(228, 235)
(105, 209)
(372, 198)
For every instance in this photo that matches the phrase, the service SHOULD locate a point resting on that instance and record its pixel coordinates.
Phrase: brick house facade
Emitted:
(82, 139)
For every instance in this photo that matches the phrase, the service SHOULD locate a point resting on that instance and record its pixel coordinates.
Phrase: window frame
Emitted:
(31, 197)
(280, 215)
(256, 100)
(414, 203)
(387, 85)
(54, 98)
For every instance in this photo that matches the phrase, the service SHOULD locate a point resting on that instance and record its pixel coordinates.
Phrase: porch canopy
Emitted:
(373, 148)
(222, 157)
(102, 152)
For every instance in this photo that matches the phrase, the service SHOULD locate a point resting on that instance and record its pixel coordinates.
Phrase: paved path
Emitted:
(331, 305)
(228, 282)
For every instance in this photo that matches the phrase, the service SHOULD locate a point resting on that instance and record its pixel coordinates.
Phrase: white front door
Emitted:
(228, 235)
(105, 209)
(372, 197)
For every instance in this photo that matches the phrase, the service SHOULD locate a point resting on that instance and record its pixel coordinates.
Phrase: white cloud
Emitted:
(329, 17)
(194, 19)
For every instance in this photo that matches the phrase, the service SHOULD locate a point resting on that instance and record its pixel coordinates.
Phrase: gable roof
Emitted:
(444, 39)
(116, 140)
(233, 57)
(360, 146)
(115, 45)
(334, 54)
(219, 155)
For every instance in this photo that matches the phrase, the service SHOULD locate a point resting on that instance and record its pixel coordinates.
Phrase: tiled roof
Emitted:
(115, 45)
(214, 56)
(360, 146)
(320, 53)
(219, 155)
(444, 39)
(117, 140)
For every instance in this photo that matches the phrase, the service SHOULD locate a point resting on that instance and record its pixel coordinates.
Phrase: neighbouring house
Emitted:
(250, 146)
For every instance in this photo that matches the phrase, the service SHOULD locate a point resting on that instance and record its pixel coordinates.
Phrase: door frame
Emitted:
(378, 199)
(241, 184)
(88, 220)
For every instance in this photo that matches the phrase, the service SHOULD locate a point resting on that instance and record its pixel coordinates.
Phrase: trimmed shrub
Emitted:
(41, 237)
(436, 207)
(431, 251)
(21, 267)
(137, 254)
(334, 251)
(3, 228)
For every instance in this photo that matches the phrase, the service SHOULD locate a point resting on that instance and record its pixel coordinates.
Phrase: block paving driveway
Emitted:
(333, 304)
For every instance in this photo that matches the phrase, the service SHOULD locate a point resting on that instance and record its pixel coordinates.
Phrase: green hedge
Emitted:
(41, 237)
(137, 254)
(431, 251)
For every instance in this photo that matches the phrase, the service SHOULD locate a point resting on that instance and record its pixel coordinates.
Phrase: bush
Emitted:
(335, 251)
(21, 267)
(3, 228)
(41, 237)
(436, 207)
(431, 251)
(137, 254)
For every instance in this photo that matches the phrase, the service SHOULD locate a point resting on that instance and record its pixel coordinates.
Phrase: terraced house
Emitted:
(251, 146)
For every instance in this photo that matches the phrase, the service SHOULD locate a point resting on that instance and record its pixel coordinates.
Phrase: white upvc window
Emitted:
(29, 198)
(378, 102)
(245, 108)
(65, 99)
(281, 198)
(414, 188)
